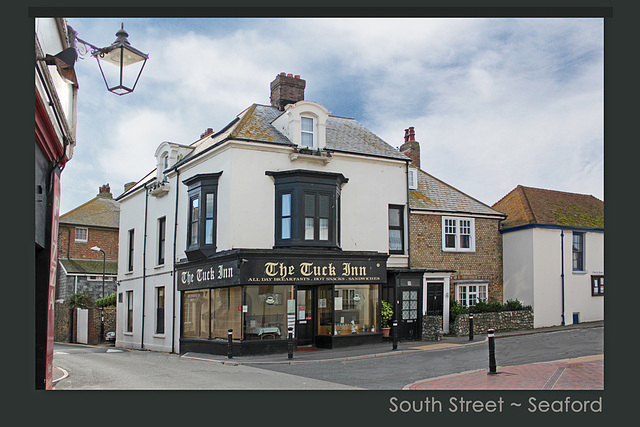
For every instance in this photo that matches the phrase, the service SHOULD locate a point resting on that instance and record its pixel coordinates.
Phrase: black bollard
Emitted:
(230, 349)
(290, 343)
(470, 326)
(395, 334)
(492, 352)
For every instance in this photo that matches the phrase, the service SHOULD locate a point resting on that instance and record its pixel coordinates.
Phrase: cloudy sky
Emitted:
(495, 103)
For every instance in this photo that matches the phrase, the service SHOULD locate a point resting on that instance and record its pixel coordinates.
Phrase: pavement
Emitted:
(582, 373)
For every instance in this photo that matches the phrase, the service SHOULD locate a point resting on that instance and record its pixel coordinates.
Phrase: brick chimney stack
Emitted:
(105, 192)
(286, 89)
(411, 147)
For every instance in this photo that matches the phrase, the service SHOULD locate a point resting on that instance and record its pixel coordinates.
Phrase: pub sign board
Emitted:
(249, 269)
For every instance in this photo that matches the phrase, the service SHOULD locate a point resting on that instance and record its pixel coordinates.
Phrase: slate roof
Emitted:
(255, 124)
(97, 212)
(343, 134)
(435, 195)
(89, 267)
(528, 205)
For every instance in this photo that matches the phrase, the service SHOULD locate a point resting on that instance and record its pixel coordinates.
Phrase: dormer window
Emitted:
(165, 162)
(306, 132)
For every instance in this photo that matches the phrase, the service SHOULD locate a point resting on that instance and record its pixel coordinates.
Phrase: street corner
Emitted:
(580, 373)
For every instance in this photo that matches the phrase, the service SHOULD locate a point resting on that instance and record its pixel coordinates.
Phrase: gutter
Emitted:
(562, 272)
(173, 262)
(144, 262)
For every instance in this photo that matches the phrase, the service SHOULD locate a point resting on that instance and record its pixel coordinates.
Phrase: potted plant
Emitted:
(386, 316)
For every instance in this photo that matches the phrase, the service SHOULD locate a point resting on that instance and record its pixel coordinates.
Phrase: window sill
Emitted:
(579, 272)
(159, 266)
(312, 155)
(458, 250)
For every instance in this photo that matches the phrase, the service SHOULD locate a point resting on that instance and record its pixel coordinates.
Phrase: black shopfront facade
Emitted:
(329, 299)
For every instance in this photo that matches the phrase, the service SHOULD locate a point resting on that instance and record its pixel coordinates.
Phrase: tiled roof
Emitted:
(97, 212)
(255, 124)
(528, 205)
(435, 195)
(343, 134)
(89, 267)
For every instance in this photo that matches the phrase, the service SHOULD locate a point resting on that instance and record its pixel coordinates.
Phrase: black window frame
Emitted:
(162, 238)
(131, 250)
(300, 184)
(597, 285)
(400, 228)
(577, 252)
(199, 186)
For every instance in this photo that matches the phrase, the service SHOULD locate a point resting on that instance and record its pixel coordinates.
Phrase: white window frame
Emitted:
(466, 291)
(458, 233)
(84, 239)
(306, 132)
(157, 307)
(413, 179)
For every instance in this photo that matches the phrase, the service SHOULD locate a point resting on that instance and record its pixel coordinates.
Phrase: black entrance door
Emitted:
(434, 298)
(305, 297)
(409, 321)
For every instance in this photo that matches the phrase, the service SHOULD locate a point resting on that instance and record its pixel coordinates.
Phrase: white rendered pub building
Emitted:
(286, 218)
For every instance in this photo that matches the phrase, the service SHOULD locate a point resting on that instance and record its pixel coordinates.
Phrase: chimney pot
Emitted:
(286, 89)
(411, 148)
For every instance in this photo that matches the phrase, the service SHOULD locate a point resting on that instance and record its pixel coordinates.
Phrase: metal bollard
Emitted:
(470, 326)
(230, 349)
(395, 334)
(290, 343)
(492, 352)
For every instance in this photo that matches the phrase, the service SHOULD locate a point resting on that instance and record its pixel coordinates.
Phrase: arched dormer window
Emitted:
(304, 123)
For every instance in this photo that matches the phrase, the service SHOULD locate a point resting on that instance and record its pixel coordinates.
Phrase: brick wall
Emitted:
(483, 264)
(106, 239)
(66, 318)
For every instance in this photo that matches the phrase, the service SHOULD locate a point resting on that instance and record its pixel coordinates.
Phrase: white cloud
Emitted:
(495, 103)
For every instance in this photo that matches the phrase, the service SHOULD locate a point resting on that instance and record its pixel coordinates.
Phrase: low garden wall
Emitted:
(499, 321)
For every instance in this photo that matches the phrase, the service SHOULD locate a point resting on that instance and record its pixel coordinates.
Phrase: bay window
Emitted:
(307, 208)
(201, 230)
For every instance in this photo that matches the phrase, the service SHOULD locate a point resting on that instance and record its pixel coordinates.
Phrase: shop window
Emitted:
(307, 208)
(355, 309)
(195, 311)
(226, 312)
(458, 234)
(202, 215)
(396, 229)
(267, 309)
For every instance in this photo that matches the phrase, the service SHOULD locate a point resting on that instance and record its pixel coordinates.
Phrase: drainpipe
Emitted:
(144, 262)
(562, 271)
(175, 280)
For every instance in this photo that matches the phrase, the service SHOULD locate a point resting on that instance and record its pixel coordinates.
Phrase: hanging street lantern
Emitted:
(129, 62)
(122, 55)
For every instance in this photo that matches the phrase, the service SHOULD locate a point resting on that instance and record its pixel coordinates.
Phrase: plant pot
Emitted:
(385, 332)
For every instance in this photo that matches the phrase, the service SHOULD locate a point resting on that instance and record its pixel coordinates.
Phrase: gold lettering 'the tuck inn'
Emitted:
(307, 269)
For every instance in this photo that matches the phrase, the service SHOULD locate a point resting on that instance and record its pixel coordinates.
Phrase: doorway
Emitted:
(410, 320)
(434, 298)
(305, 309)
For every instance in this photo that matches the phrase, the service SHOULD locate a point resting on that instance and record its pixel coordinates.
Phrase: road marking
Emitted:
(60, 352)
(434, 346)
(114, 351)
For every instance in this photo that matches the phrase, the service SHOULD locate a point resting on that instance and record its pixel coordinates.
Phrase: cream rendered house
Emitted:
(276, 224)
(554, 254)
